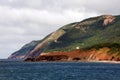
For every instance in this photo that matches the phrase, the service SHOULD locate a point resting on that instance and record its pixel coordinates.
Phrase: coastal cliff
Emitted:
(93, 39)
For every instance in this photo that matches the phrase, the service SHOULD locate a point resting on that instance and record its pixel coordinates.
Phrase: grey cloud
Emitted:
(103, 6)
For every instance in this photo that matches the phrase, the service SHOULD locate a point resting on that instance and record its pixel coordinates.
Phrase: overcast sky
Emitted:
(22, 21)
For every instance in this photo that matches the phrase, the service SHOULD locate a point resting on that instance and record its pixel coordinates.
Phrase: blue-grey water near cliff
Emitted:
(11, 70)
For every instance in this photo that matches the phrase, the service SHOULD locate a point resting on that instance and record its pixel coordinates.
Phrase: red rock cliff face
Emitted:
(78, 55)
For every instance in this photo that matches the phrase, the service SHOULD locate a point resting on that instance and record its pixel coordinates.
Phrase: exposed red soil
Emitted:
(79, 55)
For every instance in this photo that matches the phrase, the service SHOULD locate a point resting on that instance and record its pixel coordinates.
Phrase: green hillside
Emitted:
(96, 32)
(87, 35)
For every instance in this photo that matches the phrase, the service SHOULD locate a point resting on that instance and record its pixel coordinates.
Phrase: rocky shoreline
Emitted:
(100, 55)
(91, 61)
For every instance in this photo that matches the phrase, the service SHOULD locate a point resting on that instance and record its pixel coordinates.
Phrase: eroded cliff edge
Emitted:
(77, 39)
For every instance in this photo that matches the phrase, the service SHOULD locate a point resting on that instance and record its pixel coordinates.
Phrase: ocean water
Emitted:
(16, 70)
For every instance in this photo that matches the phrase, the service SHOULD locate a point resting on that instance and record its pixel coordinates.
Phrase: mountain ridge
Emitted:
(84, 34)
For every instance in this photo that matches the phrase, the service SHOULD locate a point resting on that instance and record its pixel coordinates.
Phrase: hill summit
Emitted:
(96, 38)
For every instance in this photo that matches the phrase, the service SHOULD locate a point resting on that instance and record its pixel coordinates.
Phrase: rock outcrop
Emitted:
(79, 55)
(108, 19)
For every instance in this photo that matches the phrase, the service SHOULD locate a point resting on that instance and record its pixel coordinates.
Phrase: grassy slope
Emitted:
(91, 33)
(86, 34)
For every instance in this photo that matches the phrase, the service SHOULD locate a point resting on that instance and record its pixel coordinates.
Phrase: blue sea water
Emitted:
(16, 70)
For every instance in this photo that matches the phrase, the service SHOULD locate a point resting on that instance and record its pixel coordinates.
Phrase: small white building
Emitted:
(77, 47)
